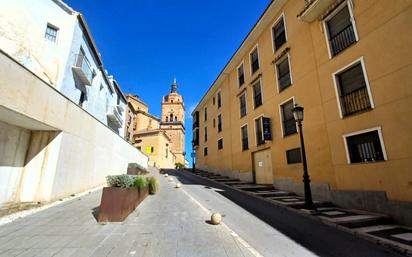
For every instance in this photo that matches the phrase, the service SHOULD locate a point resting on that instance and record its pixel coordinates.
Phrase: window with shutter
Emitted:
(283, 74)
(259, 131)
(293, 156)
(353, 93)
(242, 100)
(279, 34)
(340, 31)
(241, 75)
(220, 144)
(289, 124)
(257, 94)
(245, 139)
(254, 60)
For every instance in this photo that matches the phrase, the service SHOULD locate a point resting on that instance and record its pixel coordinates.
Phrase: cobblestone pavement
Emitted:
(170, 223)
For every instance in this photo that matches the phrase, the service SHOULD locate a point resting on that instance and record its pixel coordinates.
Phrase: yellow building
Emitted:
(173, 122)
(348, 63)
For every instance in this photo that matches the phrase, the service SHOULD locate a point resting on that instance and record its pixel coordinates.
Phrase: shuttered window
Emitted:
(254, 60)
(219, 123)
(257, 94)
(220, 144)
(289, 125)
(341, 31)
(241, 75)
(279, 34)
(353, 93)
(242, 100)
(259, 131)
(205, 151)
(245, 139)
(283, 74)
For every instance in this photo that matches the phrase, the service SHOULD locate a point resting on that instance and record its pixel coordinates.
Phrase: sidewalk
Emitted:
(167, 224)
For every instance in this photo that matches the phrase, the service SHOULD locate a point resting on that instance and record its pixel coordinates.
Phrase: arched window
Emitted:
(171, 117)
(167, 119)
(175, 118)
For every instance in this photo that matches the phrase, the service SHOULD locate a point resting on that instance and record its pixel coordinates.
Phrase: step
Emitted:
(253, 187)
(227, 180)
(273, 193)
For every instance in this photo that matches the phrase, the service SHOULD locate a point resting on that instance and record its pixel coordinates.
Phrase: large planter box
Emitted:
(117, 203)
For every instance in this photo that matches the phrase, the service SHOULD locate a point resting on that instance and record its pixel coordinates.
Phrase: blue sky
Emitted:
(145, 44)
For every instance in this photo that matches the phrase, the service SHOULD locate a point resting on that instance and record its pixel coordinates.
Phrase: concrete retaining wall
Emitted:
(50, 147)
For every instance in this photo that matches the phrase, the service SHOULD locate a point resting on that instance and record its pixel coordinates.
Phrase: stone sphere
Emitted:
(216, 218)
(178, 185)
(170, 179)
(166, 175)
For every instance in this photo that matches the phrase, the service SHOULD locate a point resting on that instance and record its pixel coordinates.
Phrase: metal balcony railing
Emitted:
(342, 40)
(114, 117)
(355, 101)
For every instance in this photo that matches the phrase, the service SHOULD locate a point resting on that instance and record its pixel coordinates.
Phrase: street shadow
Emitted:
(95, 213)
(315, 236)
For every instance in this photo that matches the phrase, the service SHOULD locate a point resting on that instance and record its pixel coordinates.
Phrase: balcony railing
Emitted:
(195, 124)
(355, 101)
(342, 40)
(83, 69)
(114, 117)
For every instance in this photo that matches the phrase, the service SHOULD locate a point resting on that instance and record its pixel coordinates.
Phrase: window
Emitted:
(365, 147)
(214, 123)
(245, 139)
(288, 121)
(242, 100)
(219, 123)
(205, 151)
(51, 33)
(293, 156)
(259, 131)
(241, 75)
(214, 101)
(149, 149)
(254, 60)
(283, 74)
(205, 113)
(220, 144)
(352, 90)
(279, 34)
(205, 134)
(257, 94)
(167, 153)
(341, 32)
(219, 100)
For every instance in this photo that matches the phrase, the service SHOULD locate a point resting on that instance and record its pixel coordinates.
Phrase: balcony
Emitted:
(114, 117)
(314, 9)
(82, 69)
(342, 40)
(355, 101)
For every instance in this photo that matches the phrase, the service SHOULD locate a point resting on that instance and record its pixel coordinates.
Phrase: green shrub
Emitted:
(123, 181)
(140, 182)
(179, 165)
(153, 186)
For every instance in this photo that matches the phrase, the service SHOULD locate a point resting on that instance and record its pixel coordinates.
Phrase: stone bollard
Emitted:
(178, 185)
(216, 218)
(166, 175)
(170, 179)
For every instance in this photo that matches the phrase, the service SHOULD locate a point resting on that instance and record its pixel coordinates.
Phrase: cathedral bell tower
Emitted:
(173, 121)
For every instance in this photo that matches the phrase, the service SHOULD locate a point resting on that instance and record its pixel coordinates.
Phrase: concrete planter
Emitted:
(117, 203)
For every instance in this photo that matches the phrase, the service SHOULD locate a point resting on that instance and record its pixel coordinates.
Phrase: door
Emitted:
(262, 166)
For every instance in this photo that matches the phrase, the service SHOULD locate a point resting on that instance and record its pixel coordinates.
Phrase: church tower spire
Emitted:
(174, 86)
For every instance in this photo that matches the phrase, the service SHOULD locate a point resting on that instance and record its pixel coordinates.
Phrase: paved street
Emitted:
(171, 223)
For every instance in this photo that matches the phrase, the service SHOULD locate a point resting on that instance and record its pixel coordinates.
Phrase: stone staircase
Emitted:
(378, 228)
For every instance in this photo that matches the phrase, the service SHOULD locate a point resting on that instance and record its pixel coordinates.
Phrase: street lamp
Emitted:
(298, 115)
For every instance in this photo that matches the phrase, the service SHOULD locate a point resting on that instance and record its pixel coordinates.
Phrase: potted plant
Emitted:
(121, 197)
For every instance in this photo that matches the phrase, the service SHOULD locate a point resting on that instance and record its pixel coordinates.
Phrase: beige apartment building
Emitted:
(349, 64)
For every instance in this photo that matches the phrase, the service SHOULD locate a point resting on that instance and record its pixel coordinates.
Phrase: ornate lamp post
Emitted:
(298, 115)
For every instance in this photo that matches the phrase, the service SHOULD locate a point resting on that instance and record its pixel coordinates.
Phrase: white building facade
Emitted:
(62, 117)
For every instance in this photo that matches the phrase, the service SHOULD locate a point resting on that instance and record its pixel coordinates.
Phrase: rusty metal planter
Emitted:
(117, 203)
